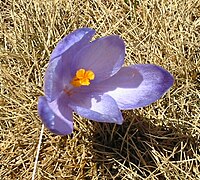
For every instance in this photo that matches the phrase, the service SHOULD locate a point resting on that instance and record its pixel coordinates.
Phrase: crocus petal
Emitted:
(58, 74)
(101, 108)
(53, 82)
(137, 86)
(103, 56)
(81, 36)
(56, 116)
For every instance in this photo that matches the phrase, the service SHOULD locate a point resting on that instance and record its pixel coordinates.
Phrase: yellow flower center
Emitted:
(82, 78)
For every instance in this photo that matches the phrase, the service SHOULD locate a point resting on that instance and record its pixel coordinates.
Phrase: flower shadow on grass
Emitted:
(140, 149)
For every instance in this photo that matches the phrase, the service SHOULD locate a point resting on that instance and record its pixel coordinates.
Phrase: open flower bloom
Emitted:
(88, 78)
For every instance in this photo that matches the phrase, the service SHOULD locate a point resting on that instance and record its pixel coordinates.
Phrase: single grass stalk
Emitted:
(38, 152)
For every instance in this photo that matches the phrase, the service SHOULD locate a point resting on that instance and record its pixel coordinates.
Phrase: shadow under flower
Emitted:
(139, 149)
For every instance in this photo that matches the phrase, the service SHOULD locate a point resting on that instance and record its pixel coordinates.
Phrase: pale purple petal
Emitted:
(103, 56)
(58, 73)
(101, 108)
(53, 80)
(56, 116)
(137, 86)
(81, 36)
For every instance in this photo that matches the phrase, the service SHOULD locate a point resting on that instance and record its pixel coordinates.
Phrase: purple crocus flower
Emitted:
(88, 78)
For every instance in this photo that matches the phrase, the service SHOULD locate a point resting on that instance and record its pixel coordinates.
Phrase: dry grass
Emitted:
(161, 141)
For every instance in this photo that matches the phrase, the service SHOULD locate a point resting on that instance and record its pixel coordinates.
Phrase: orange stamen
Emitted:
(82, 78)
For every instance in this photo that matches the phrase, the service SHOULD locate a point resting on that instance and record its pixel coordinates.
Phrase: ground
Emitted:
(161, 141)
